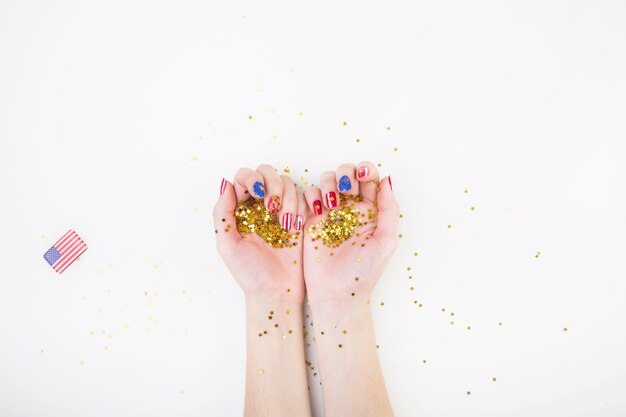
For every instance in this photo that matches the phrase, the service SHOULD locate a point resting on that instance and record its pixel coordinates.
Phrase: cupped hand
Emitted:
(260, 269)
(350, 271)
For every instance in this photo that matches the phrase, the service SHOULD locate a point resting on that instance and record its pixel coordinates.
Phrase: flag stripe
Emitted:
(67, 257)
(66, 242)
(69, 244)
(62, 240)
(71, 260)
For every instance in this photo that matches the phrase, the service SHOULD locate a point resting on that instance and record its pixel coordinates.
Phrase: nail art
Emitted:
(286, 221)
(274, 204)
(223, 186)
(390, 186)
(259, 189)
(317, 207)
(363, 171)
(344, 184)
(299, 221)
(331, 199)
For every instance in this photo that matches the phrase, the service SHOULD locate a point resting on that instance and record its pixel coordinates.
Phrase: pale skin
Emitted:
(272, 282)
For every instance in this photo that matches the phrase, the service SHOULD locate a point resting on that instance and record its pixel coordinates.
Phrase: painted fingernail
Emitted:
(317, 207)
(299, 221)
(363, 171)
(223, 186)
(274, 204)
(286, 221)
(390, 186)
(344, 184)
(259, 189)
(331, 199)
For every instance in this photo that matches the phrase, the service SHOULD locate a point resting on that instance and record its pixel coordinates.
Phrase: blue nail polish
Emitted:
(259, 189)
(344, 184)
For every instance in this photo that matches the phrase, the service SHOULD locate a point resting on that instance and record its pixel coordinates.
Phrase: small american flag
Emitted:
(65, 251)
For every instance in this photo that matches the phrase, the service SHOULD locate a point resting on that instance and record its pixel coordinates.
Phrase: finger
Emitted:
(289, 203)
(301, 211)
(313, 197)
(367, 175)
(329, 189)
(346, 179)
(273, 187)
(248, 183)
(388, 214)
(224, 219)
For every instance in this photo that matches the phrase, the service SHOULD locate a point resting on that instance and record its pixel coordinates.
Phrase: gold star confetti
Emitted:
(253, 217)
(466, 191)
(537, 254)
(340, 345)
(250, 117)
(472, 208)
(344, 331)
(339, 225)
(449, 226)
(469, 392)
(345, 123)
(493, 379)
(388, 128)
(564, 329)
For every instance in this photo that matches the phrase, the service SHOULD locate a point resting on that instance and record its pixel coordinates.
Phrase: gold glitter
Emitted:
(408, 268)
(469, 327)
(451, 323)
(493, 379)
(288, 289)
(423, 360)
(82, 362)
(472, 208)
(253, 217)
(358, 140)
(331, 254)
(356, 278)
(250, 117)
(339, 225)
(344, 331)
(260, 334)
(452, 313)
(395, 149)
(295, 262)
(400, 235)
(261, 371)
(288, 312)
(415, 253)
(537, 254)
(564, 329)
(359, 259)
(449, 226)
(382, 303)
(352, 294)
(340, 345)
(500, 324)
(276, 325)
(469, 392)
(317, 259)
(379, 164)
(466, 191)
(388, 128)
(345, 123)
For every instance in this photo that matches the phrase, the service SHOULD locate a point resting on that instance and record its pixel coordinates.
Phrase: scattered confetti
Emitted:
(339, 225)
(65, 251)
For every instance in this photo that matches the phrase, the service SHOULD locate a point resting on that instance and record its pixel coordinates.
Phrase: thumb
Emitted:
(226, 233)
(388, 213)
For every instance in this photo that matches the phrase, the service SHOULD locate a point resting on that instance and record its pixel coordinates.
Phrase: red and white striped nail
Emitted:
(286, 220)
(299, 221)
(223, 186)
(363, 171)
(331, 199)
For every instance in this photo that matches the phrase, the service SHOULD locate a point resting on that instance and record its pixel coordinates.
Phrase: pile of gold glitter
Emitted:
(339, 225)
(253, 217)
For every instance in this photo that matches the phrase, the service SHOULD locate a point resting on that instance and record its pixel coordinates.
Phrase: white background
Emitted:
(119, 119)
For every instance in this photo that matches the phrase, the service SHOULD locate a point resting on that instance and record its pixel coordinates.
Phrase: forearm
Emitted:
(352, 380)
(275, 369)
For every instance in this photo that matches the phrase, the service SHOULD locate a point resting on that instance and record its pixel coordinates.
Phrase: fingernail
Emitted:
(259, 189)
(390, 186)
(299, 221)
(274, 204)
(223, 186)
(331, 199)
(286, 221)
(317, 207)
(363, 171)
(344, 184)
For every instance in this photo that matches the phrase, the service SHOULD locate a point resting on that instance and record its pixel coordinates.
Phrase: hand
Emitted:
(262, 271)
(349, 272)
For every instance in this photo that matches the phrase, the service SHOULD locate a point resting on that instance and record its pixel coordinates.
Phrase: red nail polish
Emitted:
(331, 199)
(299, 221)
(223, 186)
(317, 207)
(286, 221)
(390, 186)
(363, 171)
(274, 204)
